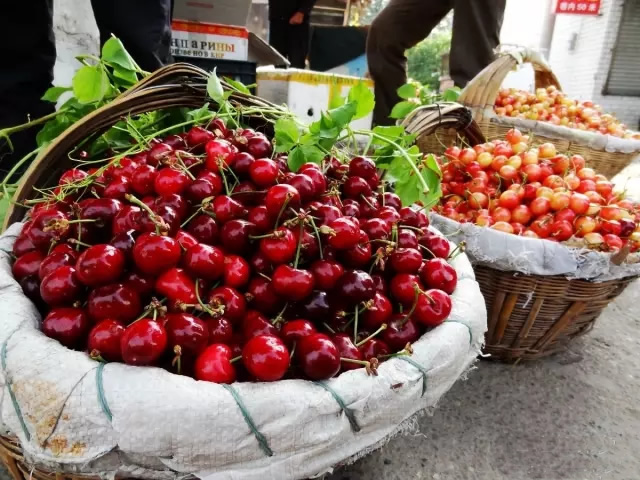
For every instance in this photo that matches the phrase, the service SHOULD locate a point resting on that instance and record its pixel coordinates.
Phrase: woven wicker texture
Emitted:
(531, 317)
(480, 96)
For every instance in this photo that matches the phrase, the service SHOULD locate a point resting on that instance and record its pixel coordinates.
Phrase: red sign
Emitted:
(580, 7)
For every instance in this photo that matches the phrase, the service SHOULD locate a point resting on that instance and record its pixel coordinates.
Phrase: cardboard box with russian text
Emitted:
(207, 40)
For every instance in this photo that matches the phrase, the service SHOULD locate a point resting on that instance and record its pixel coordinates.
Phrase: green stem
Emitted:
(355, 326)
(295, 263)
(317, 233)
(382, 328)
(5, 132)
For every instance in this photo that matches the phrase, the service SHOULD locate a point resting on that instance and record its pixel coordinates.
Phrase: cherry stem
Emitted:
(415, 229)
(364, 199)
(427, 249)
(235, 359)
(355, 326)
(78, 242)
(264, 276)
(331, 330)
(394, 233)
(300, 236)
(460, 248)
(406, 351)
(202, 304)
(95, 355)
(266, 235)
(191, 217)
(184, 168)
(416, 294)
(177, 360)
(382, 328)
(287, 199)
(317, 233)
(160, 224)
(278, 317)
(353, 360)
(224, 177)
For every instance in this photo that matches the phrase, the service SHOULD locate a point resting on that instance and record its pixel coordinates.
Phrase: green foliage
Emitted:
(424, 60)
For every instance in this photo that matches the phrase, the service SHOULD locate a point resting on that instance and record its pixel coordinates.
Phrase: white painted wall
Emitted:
(583, 71)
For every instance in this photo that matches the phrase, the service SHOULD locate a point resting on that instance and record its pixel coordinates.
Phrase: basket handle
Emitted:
(176, 85)
(481, 92)
(427, 119)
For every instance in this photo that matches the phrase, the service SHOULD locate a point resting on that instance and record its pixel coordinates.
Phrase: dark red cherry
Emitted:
(413, 218)
(235, 235)
(326, 273)
(171, 181)
(263, 172)
(377, 313)
(28, 264)
(377, 229)
(31, 288)
(388, 214)
(143, 342)
(318, 356)
(114, 301)
(356, 187)
(175, 201)
(185, 239)
(400, 331)
(229, 302)
(390, 199)
(99, 265)
(226, 208)
(214, 365)
(327, 214)
(61, 286)
(255, 323)
(407, 238)
(143, 180)
(347, 349)
(204, 229)
(236, 271)
(204, 261)
(317, 306)
(355, 286)
(48, 226)
(437, 273)
(155, 253)
(220, 330)
(266, 358)
(293, 330)
(403, 287)
(125, 242)
(186, 331)
(262, 296)
(23, 243)
(291, 283)
(433, 307)
(104, 340)
(374, 348)
(259, 217)
(197, 136)
(343, 233)
(280, 247)
(118, 188)
(259, 146)
(242, 162)
(406, 260)
(67, 325)
(142, 285)
(201, 189)
(304, 185)
(219, 154)
(362, 167)
(158, 153)
(177, 286)
(281, 197)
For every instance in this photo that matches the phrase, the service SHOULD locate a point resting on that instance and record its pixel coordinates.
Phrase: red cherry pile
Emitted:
(203, 254)
(551, 105)
(536, 192)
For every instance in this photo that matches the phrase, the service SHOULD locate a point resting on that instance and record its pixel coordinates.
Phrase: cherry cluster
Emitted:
(205, 255)
(551, 105)
(536, 192)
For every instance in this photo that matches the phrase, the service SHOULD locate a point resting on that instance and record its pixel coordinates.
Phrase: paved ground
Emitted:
(572, 417)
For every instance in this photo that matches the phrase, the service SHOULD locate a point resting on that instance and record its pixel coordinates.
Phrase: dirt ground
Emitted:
(574, 416)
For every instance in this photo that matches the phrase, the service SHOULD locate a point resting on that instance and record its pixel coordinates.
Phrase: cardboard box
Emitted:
(226, 12)
(207, 40)
(307, 93)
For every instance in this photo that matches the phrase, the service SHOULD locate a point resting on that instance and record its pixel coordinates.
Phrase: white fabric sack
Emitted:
(153, 424)
(508, 252)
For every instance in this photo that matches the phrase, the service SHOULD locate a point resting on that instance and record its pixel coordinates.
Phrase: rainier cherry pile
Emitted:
(205, 255)
(536, 192)
(551, 105)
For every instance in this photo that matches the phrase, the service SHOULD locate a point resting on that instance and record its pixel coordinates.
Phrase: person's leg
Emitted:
(401, 25)
(28, 53)
(298, 40)
(476, 33)
(278, 36)
(144, 26)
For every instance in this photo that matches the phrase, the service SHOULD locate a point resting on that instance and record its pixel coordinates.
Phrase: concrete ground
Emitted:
(574, 416)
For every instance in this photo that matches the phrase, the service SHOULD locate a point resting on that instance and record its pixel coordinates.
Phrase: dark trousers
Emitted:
(28, 52)
(292, 41)
(404, 23)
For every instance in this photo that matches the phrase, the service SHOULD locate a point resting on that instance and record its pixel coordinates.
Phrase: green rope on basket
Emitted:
(466, 325)
(262, 441)
(102, 399)
(343, 406)
(14, 400)
(423, 371)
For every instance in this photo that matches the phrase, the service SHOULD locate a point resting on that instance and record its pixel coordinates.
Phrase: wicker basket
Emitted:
(606, 154)
(529, 316)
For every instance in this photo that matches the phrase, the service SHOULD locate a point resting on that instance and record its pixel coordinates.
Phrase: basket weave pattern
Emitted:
(532, 316)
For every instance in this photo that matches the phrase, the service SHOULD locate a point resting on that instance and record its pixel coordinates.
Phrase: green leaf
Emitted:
(114, 53)
(407, 91)
(214, 87)
(312, 154)
(296, 159)
(239, 86)
(431, 162)
(451, 94)
(53, 93)
(363, 98)
(286, 134)
(90, 84)
(343, 115)
(199, 114)
(402, 109)
(398, 169)
(336, 99)
(432, 179)
(408, 190)
(128, 76)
